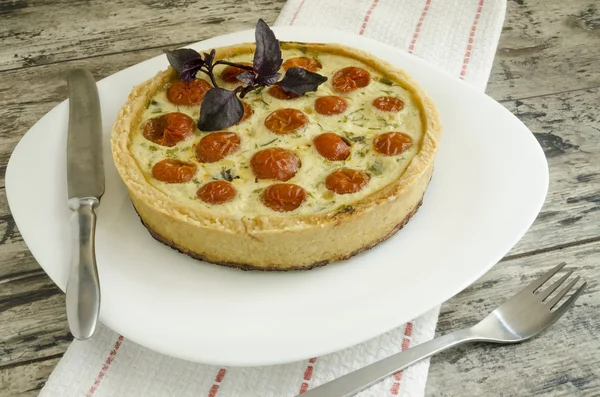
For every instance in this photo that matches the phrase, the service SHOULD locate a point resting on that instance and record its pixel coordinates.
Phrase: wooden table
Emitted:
(547, 72)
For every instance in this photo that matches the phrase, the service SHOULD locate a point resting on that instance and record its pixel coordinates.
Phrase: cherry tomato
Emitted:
(283, 197)
(349, 79)
(277, 92)
(330, 105)
(275, 163)
(346, 180)
(230, 73)
(332, 146)
(216, 146)
(248, 112)
(310, 64)
(285, 121)
(188, 93)
(173, 171)
(389, 103)
(392, 143)
(168, 129)
(217, 192)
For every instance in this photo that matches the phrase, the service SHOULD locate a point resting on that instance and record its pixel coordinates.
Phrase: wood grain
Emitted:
(547, 46)
(545, 72)
(562, 361)
(26, 380)
(40, 32)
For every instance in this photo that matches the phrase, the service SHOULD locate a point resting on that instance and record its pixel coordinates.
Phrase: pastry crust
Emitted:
(276, 242)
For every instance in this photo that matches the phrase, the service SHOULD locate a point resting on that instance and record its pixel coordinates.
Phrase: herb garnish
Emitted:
(345, 209)
(270, 142)
(376, 168)
(227, 175)
(221, 108)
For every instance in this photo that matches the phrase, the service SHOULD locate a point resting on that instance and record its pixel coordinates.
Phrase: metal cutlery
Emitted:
(520, 318)
(85, 179)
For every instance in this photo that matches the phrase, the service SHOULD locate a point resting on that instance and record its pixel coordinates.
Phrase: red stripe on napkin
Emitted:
(418, 28)
(467, 57)
(111, 357)
(368, 16)
(296, 13)
(405, 345)
(308, 372)
(218, 379)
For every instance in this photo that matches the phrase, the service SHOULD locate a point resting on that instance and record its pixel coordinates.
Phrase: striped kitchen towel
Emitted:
(459, 36)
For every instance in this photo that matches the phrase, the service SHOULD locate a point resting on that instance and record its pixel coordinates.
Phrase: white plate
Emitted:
(489, 183)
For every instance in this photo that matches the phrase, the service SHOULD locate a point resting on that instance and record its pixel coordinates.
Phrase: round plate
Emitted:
(489, 183)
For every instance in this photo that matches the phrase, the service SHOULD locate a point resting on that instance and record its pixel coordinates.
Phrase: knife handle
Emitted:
(83, 287)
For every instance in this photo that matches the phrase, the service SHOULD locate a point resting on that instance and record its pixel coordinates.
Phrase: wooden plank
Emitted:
(15, 257)
(562, 361)
(547, 46)
(32, 320)
(26, 380)
(567, 126)
(42, 32)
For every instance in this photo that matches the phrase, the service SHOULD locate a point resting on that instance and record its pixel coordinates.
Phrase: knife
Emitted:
(85, 180)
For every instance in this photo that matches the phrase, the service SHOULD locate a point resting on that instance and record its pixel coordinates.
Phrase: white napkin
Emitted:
(460, 36)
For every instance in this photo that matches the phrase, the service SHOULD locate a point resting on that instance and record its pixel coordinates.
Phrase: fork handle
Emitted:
(360, 379)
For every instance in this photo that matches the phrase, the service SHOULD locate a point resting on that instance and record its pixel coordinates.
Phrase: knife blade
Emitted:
(85, 183)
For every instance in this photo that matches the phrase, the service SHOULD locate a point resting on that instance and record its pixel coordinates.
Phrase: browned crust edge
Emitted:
(246, 267)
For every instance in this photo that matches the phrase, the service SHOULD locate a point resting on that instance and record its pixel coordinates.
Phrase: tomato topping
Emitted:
(168, 129)
(216, 146)
(332, 146)
(173, 171)
(284, 121)
(310, 64)
(389, 103)
(283, 197)
(248, 112)
(275, 163)
(350, 79)
(346, 180)
(277, 92)
(330, 105)
(188, 93)
(217, 192)
(230, 73)
(392, 143)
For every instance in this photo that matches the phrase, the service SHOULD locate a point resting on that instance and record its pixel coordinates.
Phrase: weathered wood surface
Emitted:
(546, 72)
(562, 361)
(547, 46)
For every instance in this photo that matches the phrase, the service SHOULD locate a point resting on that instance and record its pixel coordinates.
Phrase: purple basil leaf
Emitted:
(268, 80)
(209, 58)
(299, 81)
(267, 59)
(246, 77)
(190, 68)
(220, 109)
(178, 58)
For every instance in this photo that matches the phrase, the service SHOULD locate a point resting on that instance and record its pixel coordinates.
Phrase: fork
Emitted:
(520, 318)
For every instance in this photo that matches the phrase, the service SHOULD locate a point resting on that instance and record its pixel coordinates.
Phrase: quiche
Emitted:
(299, 181)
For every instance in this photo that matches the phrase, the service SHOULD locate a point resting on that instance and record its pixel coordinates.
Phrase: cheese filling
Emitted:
(359, 125)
